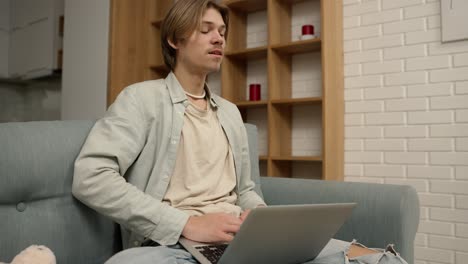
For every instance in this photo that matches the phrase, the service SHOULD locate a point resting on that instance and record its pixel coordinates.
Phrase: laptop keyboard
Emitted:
(212, 252)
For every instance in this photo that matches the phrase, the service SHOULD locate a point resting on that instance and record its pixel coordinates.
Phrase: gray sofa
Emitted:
(37, 207)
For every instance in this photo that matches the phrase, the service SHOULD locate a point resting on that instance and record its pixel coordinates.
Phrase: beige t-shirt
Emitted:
(204, 178)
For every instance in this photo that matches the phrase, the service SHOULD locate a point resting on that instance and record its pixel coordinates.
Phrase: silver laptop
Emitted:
(277, 234)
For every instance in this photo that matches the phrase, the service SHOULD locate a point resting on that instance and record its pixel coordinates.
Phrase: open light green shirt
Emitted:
(126, 163)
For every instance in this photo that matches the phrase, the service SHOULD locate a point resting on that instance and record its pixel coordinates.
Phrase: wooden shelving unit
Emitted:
(136, 27)
(280, 104)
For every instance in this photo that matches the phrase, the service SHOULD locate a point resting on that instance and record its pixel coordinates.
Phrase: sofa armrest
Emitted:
(385, 214)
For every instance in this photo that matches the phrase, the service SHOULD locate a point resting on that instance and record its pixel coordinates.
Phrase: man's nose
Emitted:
(218, 39)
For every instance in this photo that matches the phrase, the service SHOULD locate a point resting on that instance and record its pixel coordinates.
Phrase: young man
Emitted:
(169, 158)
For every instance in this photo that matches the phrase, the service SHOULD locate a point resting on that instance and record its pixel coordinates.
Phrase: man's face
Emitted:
(203, 51)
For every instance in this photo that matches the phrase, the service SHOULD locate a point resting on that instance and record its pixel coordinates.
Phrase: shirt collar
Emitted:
(212, 97)
(177, 94)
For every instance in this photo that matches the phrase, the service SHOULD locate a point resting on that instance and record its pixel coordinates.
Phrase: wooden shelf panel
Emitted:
(297, 158)
(296, 47)
(297, 101)
(246, 6)
(252, 104)
(251, 53)
(263, 158)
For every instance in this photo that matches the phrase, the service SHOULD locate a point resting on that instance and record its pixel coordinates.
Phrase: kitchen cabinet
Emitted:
(34, 39)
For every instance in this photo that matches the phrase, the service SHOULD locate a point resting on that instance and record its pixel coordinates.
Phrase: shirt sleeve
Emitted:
(112, 146)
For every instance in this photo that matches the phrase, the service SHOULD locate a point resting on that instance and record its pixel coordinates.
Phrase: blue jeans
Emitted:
(336, 250)
(333, 253)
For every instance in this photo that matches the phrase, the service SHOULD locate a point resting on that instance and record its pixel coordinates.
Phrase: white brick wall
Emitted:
(306, 131)
(257, 29)
(306, 75)
(461, 230)
(406, 118)
(461, 88)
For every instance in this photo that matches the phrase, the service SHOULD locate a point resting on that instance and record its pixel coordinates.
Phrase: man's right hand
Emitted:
(210, 228)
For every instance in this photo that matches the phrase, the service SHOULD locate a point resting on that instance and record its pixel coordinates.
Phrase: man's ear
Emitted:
(174, 46)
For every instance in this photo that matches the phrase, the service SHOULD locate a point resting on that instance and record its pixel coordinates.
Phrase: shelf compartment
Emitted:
(236, 75)
(296, 168)
(296, 47)
(281, 14)
(297, 101)
(246, 6)
(287, 88)
(290, 141)
(248, 54)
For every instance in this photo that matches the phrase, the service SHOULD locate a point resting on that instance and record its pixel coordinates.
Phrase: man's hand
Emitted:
(244, 215)
(210, 228)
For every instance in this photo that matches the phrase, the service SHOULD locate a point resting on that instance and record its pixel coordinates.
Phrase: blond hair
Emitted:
(182, 20)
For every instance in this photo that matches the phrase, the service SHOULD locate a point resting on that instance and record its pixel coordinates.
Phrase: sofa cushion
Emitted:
(37, 207)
